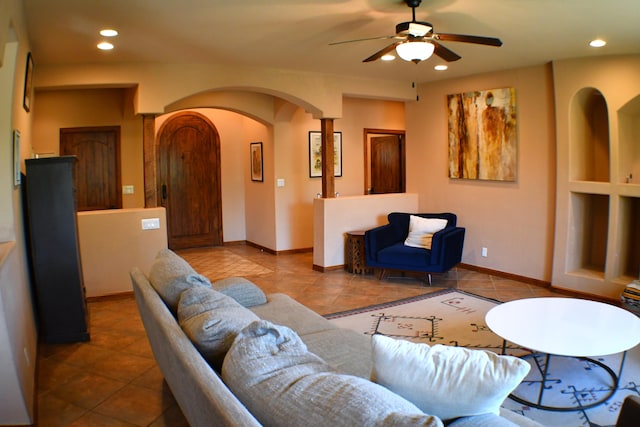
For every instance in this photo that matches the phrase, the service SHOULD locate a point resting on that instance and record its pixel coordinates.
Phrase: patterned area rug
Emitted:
(456, 318)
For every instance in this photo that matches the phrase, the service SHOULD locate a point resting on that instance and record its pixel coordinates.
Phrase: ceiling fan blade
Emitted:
(444, 53)
(379, 54)
(362, 40)
(489, 41)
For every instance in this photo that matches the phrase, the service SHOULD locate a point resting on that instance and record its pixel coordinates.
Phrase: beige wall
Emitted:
(295, 214)
(93, 107)
(18, 340)
(107, 258)
(617, 79)
(160, 85)
(513, 220)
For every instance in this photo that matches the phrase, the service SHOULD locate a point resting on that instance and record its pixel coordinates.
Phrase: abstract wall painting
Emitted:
(257, 162)
(483, 135)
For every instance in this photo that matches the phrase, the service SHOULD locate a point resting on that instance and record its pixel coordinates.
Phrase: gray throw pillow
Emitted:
(242, 290)
(170, 275)
(212, 320)
(274, 375)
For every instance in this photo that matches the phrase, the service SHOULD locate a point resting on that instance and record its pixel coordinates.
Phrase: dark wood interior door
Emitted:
(387, 164)
(97, 171)
(189, 181)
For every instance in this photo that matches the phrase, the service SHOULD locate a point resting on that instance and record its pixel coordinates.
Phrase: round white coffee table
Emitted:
(566, 327)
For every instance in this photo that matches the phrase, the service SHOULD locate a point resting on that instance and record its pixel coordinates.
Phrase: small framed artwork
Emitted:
(315, 154)
(16, 158)
(256, 162)
(28, 83)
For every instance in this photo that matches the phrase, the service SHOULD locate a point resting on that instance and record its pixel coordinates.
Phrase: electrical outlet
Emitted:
(484, 252)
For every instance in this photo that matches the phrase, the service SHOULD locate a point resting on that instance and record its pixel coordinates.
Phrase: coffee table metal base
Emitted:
(544, 369)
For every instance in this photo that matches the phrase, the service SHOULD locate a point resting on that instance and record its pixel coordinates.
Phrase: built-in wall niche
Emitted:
(588, 239)
(629, 134)
(589, 133)
(629, 250)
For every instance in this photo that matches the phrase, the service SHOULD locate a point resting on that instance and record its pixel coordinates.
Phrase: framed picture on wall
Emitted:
(16, 158)
(483, 135)
(28, 83)
(315, 154)
(256, 162)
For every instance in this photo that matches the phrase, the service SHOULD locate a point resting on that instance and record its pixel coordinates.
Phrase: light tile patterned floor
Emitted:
(113, 379)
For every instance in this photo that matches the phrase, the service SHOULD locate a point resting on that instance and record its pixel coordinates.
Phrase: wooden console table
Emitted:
(354, 253)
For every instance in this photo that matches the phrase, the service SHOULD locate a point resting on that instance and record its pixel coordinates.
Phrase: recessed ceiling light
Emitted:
(441, 67)
(597, 43)
(387, 57)
(108, 32)
(105, 46)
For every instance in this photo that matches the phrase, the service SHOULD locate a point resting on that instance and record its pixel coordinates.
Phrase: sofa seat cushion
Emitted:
(284, 310)
(345, 350)
(271, 371)
(449, 382)
(404, 256)
(170, 275)
(212, 321)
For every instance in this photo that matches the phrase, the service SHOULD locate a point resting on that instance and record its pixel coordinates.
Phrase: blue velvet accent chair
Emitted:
(385, 248)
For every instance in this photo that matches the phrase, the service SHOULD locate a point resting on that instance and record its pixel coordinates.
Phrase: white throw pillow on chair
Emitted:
(421, 231)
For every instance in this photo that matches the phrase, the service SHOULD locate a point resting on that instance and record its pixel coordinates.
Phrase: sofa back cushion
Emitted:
(242, 290)
(212, 320)
(170, 275)
(271, 371)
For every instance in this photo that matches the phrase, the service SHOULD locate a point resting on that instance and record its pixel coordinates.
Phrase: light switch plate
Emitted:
(127, 189)
(151, 223)
(280, 182)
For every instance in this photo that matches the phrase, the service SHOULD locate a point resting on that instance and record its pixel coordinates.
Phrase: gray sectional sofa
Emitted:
(173, 295)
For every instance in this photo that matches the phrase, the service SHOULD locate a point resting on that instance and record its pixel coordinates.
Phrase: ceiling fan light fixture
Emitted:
(415, 51)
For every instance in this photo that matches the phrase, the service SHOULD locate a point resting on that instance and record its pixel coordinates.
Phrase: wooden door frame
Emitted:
(367, 134)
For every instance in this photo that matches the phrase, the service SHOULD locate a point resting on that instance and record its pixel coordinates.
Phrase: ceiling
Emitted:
(295, 34)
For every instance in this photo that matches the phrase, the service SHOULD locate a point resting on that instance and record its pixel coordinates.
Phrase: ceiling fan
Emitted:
(416, 40)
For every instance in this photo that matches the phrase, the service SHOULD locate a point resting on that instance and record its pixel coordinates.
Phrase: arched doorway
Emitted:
(188, 180)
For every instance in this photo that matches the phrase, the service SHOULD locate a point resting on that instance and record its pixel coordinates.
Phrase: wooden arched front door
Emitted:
(188, 182)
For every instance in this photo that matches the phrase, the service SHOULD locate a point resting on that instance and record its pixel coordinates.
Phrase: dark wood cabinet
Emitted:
(52, 227)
